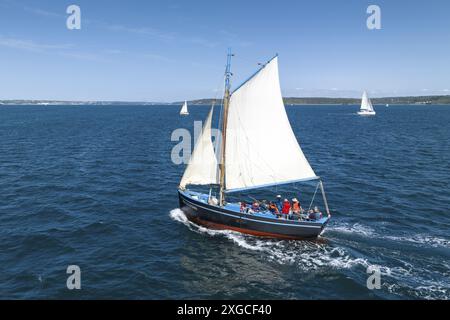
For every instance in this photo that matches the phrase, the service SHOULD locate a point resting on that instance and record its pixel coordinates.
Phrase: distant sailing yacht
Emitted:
(366, 106)
(246, 162)
(184, 109)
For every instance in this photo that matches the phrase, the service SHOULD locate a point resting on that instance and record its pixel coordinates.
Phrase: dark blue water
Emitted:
(95, 187)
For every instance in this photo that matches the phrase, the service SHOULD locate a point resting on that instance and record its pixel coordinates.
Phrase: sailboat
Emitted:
(366, 106)
(184, 109)
(245, 163)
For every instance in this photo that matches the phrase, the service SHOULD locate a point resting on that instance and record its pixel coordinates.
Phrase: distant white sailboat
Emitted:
(366, 106)
(184, 110)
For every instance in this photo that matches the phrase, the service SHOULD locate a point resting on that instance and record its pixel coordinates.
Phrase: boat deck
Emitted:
(237, 208)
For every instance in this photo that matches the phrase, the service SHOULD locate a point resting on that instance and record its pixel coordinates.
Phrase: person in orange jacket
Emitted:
(296, 208)
(273, 208)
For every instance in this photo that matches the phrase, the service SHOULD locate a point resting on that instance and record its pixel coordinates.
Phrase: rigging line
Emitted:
(314, 196)
(218, 152)
(261, 67)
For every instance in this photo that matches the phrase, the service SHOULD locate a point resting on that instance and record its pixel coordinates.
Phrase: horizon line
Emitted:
(202, 99)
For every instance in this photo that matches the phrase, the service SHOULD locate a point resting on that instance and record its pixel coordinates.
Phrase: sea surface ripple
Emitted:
(94, 186)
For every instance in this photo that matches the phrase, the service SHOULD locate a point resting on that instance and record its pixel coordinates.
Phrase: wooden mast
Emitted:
(226, 103)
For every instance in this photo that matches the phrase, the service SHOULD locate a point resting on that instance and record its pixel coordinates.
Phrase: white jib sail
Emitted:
(184, 109)
(366, 104)
(202, 167)
(261, 148)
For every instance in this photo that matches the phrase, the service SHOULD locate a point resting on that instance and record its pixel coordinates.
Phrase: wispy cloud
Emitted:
(234, 39)
(64, 50)
(155, 33)
(42, 12)
(201, 41)
(142, 31)
(113, 51)
(156, 57)
(83, 56)
(166, 36)
(30, 45)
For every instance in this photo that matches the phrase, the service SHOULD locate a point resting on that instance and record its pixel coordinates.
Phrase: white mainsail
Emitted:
(184, 109)
(366, 104)
(261, 148)
(202, 167)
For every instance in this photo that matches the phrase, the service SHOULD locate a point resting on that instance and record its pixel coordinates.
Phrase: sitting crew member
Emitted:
(296, 208)
(286, 208)
(314, 214)
(243, 207)
(255, 207)
(318, 213)
(264, 206)
(273, 208)
(279, 203)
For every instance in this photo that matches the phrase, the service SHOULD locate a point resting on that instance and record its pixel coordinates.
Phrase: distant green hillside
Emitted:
(288, 101)
(347, 101)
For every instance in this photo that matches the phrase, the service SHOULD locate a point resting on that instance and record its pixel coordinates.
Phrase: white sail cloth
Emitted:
(202, 167)
(261, 148)
(184, 108)
(366, 104)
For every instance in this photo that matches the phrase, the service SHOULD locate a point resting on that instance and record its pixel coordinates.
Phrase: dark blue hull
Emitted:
(216, 217)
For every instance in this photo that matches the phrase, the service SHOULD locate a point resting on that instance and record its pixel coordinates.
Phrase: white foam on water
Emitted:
(414, 281)
(366, 231)
(316, 256)
(430, 290)
(178, 215)
(307, 255)
(433, 292)
(422, 239)
(355, 228)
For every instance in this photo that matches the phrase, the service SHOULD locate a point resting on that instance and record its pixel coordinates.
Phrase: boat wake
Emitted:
(308, 255)
(321, 257)
(417, 239)
(351, 229)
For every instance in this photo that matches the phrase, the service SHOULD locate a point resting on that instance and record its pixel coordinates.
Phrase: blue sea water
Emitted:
(95, 187)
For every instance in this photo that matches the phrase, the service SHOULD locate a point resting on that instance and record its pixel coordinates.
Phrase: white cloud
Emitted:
(30, 45)
(44, 13)
(142, 31)
(157, 57)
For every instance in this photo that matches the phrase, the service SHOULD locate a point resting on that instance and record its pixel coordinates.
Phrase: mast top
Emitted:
(228, 73)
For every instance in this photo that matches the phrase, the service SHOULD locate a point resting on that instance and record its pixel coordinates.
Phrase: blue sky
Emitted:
(173, 50)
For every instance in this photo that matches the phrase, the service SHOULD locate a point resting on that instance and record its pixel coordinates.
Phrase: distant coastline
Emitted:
(409, 100)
